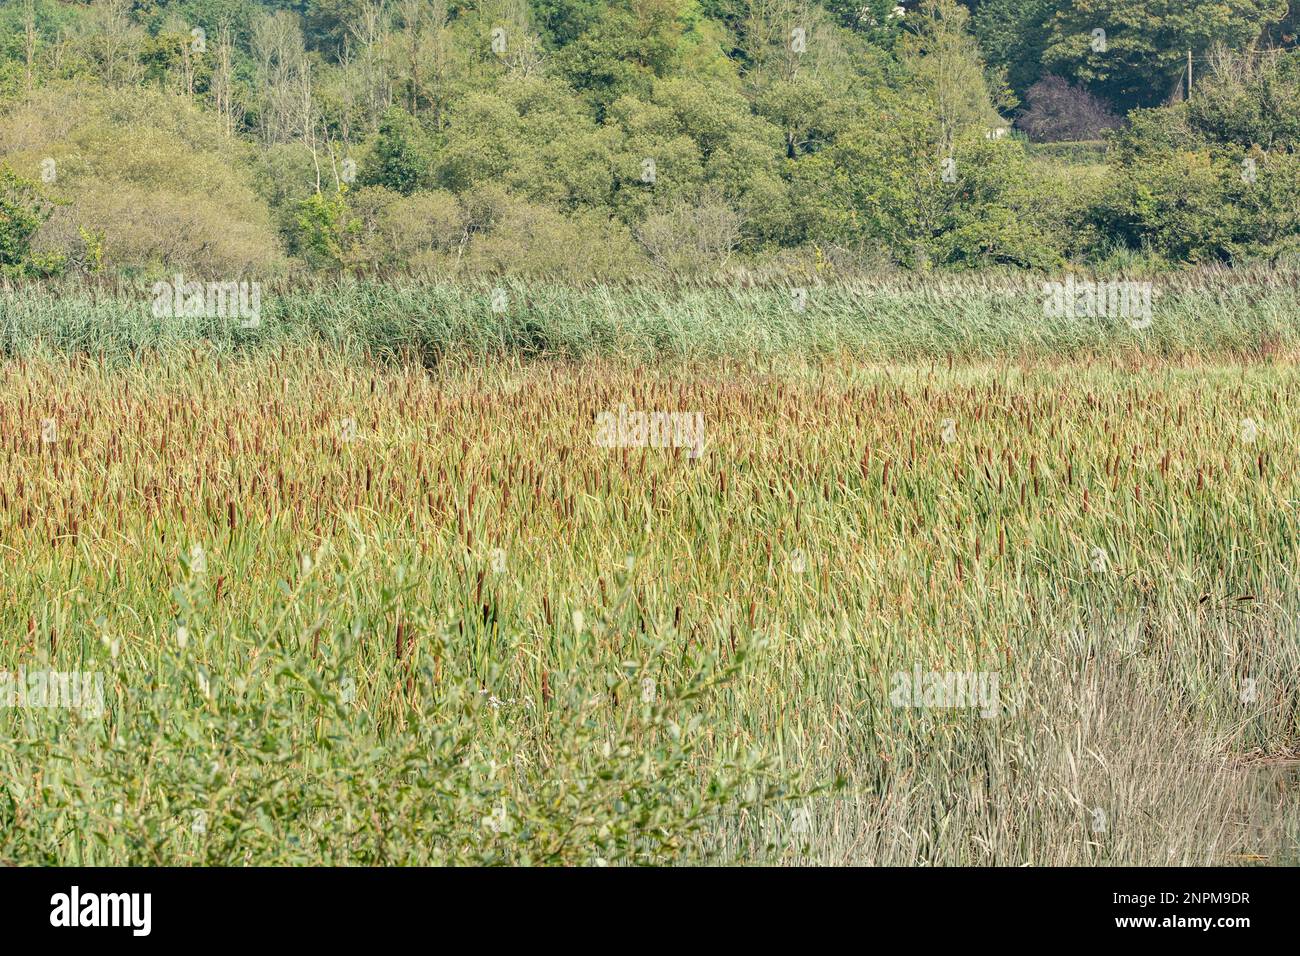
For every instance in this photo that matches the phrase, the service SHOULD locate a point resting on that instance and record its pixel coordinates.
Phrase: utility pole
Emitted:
(1189, 74)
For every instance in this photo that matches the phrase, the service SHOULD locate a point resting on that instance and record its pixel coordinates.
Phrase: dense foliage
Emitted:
(577, 138)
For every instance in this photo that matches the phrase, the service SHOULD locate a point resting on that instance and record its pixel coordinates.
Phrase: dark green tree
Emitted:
(402, 157)
(23, 208)
(1142, 54)
(1013, 35)
(563, 21)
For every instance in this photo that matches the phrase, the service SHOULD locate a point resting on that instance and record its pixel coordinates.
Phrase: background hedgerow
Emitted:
(638, 138)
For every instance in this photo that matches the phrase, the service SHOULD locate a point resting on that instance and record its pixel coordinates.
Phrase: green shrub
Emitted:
(401, 157)
(159, 179)
(305, 753)
(1214, 179)
(887, 184)
(23, 208)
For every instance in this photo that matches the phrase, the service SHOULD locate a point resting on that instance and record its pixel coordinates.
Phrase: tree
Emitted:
(327, 24)
(879, 20)
(114, 40)
(1216, 178)
(1059, 111)
(944, 63)
(22, 211)
(327, 235)
(1013, 35)
(1248, 101)
(563, 21)
(633, 42)
(1142, 53)
(881, 185)
(401, 159)
(283, 73)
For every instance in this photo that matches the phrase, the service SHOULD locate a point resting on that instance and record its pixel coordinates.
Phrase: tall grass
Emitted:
(1209, 312)
(432, 621)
